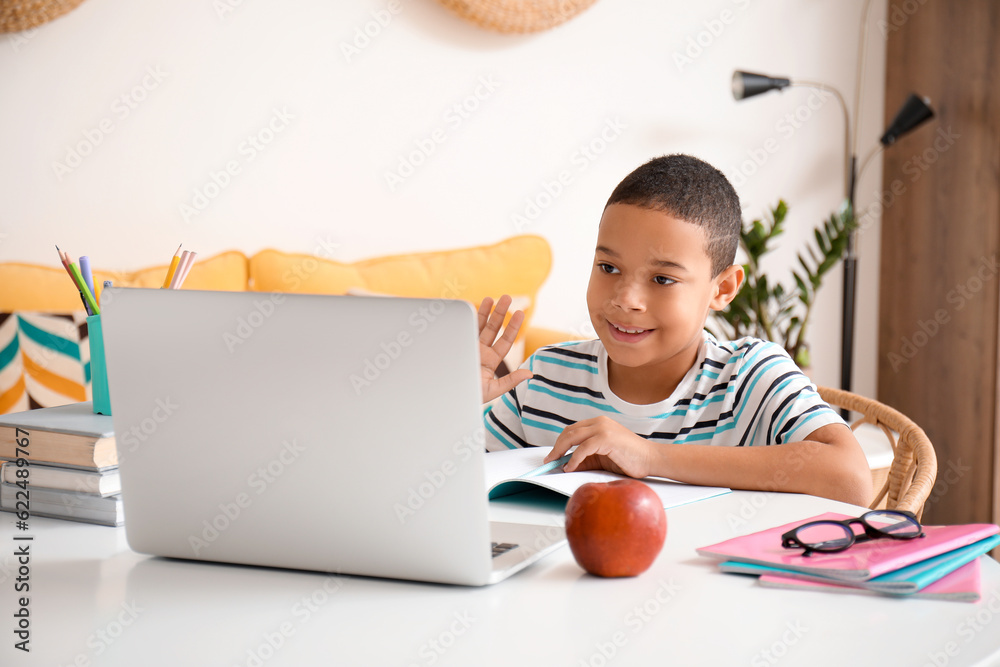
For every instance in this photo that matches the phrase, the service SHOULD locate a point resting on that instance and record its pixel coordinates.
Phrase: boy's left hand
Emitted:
(603, 444)
(492, 349)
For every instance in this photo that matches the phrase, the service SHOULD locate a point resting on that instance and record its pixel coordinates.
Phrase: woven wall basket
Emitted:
(517, 15)
(18, 15)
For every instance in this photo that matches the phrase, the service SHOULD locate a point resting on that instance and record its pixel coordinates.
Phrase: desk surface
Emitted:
(95, 602)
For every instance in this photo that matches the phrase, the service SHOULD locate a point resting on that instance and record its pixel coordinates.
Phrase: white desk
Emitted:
(96, 602)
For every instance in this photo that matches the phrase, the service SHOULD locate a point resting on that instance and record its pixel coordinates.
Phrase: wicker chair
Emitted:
(914, 464)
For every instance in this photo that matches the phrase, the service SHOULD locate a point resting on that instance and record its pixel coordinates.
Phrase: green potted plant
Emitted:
(765, 308)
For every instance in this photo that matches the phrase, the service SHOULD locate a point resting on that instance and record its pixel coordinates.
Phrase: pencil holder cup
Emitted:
(98, 369)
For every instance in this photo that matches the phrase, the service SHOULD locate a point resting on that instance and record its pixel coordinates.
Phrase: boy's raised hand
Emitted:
(492, 349)
(603, 444)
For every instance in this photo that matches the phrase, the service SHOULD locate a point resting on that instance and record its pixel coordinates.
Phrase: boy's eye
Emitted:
(663, 280)
(606, 268)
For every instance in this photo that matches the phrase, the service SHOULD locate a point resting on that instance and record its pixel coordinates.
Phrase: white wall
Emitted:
(162, 94)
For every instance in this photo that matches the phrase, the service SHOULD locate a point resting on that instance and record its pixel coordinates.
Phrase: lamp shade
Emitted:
(748, 84)
(915, 111)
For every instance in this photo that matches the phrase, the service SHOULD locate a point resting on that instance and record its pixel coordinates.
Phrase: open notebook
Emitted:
(516, 470)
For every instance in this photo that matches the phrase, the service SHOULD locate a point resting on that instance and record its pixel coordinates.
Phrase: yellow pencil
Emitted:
(173, 267)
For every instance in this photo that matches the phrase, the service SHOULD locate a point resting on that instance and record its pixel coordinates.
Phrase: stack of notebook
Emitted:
(944, 564)
(68, 464)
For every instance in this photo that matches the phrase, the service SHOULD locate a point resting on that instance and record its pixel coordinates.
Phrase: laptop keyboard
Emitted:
(500, 548)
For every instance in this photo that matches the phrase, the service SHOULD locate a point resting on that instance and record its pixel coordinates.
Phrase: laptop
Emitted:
(338, 434)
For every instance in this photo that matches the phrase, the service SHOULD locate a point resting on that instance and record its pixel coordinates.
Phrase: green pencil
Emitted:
(82, 284)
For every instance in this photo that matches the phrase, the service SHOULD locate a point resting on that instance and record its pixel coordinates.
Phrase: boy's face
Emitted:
(651, 289)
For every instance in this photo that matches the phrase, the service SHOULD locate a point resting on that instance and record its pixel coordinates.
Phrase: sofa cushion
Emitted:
(44, 360)
(44, 351)
(49, 289)
(517, 266)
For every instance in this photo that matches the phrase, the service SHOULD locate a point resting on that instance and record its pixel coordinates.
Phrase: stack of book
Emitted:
(943, 565)
(68, 467)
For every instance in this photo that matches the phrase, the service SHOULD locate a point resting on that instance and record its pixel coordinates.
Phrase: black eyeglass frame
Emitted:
(790, 539)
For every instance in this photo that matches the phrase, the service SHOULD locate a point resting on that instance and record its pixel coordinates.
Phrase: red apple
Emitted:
(615, 529)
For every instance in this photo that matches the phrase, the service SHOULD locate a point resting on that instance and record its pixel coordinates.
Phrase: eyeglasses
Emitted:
(829, 536)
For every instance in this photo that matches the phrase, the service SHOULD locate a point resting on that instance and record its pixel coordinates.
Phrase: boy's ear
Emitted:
(727, 286)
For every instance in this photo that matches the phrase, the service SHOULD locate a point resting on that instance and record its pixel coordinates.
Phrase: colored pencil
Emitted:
(87, 296)
(64, 258)
(173, 267)
(64, 261)
(185, 268)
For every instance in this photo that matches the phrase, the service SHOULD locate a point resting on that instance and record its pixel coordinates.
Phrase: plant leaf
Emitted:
(804, 295)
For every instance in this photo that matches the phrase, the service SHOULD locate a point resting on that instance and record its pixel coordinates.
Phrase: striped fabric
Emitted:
(742, 393)
(44, 360)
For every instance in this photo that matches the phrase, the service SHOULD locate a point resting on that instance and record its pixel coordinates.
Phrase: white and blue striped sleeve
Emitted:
(776, 402)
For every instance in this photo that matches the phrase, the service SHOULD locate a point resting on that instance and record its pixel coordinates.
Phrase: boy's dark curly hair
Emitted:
(691, 190)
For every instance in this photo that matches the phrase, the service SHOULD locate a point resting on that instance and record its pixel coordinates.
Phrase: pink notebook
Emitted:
(961, 585)
(862, 561)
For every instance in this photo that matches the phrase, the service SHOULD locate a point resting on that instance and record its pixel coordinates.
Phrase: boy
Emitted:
(656, 394)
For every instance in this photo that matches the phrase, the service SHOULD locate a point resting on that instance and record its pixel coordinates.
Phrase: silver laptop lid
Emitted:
(331, 433)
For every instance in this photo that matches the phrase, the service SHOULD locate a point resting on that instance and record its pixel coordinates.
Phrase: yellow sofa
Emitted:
(45, 355)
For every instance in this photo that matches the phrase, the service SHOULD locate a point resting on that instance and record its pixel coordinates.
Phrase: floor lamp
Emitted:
(915, 111)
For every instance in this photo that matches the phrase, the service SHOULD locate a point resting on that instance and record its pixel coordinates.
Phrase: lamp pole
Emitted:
(915, 111)
(850, 260)
(850, 264)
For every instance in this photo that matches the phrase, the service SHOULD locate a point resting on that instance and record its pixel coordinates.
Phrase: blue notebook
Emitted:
(904, 581)
(962, 585)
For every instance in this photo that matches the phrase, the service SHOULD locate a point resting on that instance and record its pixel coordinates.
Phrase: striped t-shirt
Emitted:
(741, 393)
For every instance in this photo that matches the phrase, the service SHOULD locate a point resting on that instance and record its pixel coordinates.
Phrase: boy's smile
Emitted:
(628, 334)
(651, 289)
